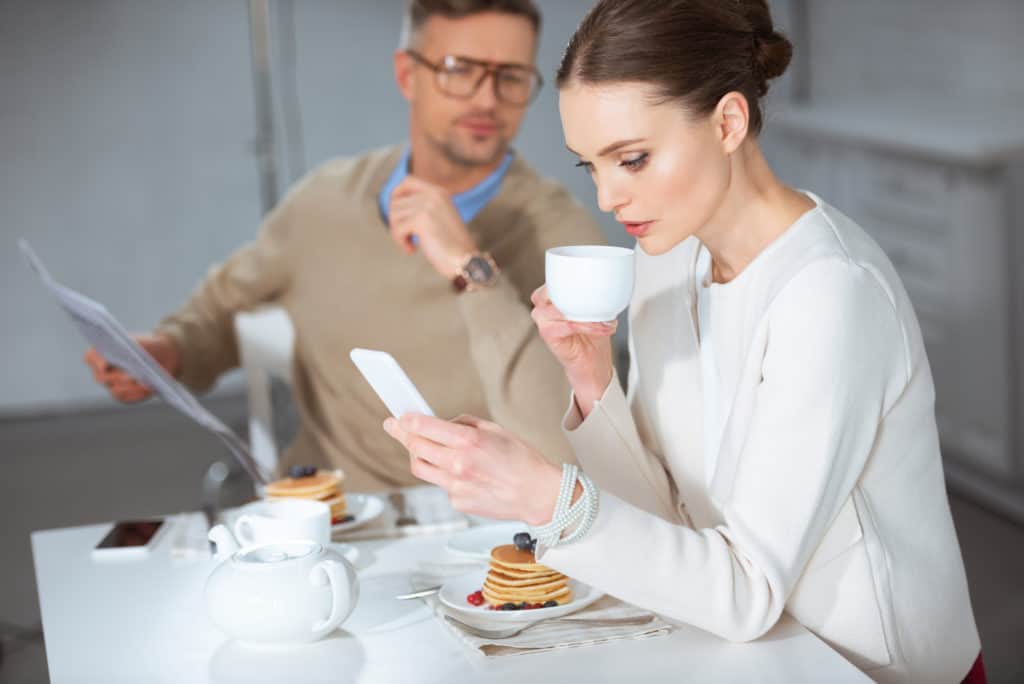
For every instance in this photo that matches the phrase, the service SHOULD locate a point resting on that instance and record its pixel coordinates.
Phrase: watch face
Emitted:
(478, 270)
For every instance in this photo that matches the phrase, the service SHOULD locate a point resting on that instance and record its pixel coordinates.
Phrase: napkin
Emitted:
(547, 636)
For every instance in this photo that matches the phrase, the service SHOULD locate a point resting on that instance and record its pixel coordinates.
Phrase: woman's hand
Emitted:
(485, 469)
(583, 349)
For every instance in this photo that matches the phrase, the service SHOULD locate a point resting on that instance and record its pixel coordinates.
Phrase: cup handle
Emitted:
(343, 592)
(243, 530)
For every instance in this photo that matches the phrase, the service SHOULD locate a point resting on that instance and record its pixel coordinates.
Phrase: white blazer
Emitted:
(828, 499)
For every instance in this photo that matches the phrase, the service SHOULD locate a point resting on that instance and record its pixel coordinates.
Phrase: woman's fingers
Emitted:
(598, 329)
(539, 297)
(547, 314)
(397, 432)
(440, 431)
(466, 419)
(427, 450)
(428, 472)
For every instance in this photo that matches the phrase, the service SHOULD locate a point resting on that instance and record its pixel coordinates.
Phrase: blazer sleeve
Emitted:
(835, 363)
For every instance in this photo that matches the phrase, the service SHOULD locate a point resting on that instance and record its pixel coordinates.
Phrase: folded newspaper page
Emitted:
(116, 345)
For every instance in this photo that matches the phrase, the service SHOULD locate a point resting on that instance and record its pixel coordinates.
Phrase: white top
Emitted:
(716, 397)
(828, 499)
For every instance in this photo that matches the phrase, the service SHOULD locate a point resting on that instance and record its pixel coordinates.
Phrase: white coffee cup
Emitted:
(589, 283)
(282, 520)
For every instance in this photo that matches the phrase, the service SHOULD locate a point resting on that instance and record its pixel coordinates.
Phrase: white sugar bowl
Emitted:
(280, 593)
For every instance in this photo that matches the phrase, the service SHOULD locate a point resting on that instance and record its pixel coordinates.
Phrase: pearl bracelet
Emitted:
(567, 515)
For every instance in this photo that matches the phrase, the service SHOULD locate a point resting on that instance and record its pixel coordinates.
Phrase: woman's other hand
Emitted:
(485, 469)
(583, 349)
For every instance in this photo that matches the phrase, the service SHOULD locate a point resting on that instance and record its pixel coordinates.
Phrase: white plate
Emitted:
(477, 542)
(454, 592)
(362, 507)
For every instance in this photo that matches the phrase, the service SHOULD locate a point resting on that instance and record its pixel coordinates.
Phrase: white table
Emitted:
(144, 621)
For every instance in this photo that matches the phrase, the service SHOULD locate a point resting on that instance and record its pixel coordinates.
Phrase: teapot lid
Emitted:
(277, 552)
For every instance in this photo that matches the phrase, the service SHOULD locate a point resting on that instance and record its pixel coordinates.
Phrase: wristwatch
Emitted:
(478, 271)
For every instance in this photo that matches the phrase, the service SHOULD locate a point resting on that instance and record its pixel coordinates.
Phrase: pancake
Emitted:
(505, 580)
(560, 597)
(515, 576)
(532, 589)
(509, 556)
(323, 484)
(520, 574)
(338, 506)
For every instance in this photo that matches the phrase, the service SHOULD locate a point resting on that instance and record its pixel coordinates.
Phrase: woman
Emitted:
(777, 447)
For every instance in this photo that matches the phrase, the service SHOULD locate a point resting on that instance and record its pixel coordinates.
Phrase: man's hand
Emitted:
(425, 210)
(124, 387)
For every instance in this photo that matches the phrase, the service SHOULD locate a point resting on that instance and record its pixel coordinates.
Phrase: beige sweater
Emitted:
(325, 255)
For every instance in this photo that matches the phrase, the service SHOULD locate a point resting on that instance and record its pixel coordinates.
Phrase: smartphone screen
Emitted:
(130, 533)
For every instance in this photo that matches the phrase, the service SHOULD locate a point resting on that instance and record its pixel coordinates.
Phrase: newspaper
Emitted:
(116, 345)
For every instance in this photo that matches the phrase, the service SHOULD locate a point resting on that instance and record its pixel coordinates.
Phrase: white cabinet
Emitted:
(943, 205)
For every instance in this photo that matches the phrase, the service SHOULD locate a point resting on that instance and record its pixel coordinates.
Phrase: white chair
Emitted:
(266, 344)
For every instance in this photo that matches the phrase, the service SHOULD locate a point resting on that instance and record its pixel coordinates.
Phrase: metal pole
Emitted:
(263, 145)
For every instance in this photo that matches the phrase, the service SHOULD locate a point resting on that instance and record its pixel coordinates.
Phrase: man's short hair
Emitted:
(418, 11)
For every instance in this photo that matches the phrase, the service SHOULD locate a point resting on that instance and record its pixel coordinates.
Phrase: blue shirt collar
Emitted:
(468, 203)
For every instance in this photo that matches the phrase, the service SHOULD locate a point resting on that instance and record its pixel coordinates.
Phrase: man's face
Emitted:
(477, 130)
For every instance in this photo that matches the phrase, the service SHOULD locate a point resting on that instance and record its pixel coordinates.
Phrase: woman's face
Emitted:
(660, 170)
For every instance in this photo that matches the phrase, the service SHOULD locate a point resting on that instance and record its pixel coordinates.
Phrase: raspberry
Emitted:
(476, 598)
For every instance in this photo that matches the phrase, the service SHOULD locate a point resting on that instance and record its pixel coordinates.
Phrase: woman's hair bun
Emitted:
(774, 52)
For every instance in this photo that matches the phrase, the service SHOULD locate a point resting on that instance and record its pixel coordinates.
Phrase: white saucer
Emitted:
(362, 507)
(477, 542)
(454, 592)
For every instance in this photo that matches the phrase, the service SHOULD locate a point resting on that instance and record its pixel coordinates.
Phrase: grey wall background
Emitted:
(124, 134)
(126, 140)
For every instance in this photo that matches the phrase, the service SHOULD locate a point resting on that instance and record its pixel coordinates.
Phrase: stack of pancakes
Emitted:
(516, 577)
(324, 485)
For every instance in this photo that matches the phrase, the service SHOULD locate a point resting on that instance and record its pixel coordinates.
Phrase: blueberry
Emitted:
(524, 605)
(523, 542)
(296, 471)
(348, 518)
(509, 606)
(550, 604)
(533, 546)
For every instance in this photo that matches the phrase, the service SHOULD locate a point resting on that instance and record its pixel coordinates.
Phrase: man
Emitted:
(429, 251)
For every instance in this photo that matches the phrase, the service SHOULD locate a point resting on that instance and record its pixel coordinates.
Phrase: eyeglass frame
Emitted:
(491, 70)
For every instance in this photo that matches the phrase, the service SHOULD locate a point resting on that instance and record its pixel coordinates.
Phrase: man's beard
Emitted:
(457, 153)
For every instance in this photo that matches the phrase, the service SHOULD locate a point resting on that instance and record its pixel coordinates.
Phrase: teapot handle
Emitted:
(244, 532)
(344, 592)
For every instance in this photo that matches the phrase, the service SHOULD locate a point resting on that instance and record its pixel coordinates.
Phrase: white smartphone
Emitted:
(129, 539)
(390, 382)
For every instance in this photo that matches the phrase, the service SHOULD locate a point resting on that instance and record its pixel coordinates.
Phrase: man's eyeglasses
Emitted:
(461, 77)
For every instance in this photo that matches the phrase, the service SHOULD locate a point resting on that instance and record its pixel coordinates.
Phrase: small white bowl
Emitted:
(590, 283)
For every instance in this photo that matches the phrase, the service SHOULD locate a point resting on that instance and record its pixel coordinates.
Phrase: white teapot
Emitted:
(287, 592)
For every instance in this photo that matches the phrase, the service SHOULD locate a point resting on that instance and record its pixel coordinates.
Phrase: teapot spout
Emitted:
(224, 540)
